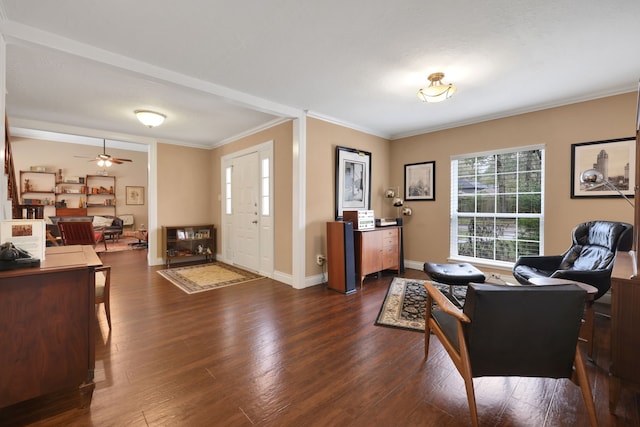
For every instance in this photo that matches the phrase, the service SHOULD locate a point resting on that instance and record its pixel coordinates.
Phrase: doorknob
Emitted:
(254, 222)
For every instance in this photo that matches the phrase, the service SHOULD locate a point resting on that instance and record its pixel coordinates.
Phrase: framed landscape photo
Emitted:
(420, 181)
(353, 180)
(613, 158)
(135, 195)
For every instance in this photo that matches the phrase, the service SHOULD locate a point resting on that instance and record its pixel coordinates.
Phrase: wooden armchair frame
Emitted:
(80, 233)
(454, 334)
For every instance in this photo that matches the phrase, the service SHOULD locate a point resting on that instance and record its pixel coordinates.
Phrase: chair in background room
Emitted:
(103, 286)
(80, 233)
(524, 331)
(589, 260)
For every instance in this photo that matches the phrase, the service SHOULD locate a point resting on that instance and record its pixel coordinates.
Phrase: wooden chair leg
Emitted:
(614, 393)
(589, 328)
(465, 371)
(427, 328)
(107, 311)
(583, 382)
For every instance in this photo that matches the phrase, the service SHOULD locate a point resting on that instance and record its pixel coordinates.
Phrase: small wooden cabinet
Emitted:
(189, 243)
(376, 250)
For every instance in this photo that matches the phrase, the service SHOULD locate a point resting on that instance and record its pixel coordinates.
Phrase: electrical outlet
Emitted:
(320, 259)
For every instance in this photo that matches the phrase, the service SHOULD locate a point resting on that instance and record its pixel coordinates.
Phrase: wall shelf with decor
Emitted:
(188, 243)
(101, 194)
(71, 194)
(37, 188)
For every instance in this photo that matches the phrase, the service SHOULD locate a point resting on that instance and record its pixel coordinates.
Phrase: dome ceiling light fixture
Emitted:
(436, 91)
(150, 118)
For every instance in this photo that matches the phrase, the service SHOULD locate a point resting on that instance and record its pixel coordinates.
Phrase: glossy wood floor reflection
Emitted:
(264, 354)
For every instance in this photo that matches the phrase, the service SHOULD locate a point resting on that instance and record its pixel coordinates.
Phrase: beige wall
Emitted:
(73, 159)
(189, 178)
(322, 139)
(185, 190)
(427, 231)
(282, 137)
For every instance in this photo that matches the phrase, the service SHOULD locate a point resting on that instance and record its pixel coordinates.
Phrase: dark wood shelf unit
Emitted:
(187, 243)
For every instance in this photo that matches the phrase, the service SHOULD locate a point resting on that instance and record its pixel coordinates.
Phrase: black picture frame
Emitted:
(353, 180)
(615, 156)
(420, 181)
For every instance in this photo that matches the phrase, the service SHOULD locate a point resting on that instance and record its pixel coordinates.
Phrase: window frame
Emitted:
(455, 216)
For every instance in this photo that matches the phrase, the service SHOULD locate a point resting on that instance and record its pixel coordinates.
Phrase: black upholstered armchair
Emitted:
(524, 331)
(589, 260)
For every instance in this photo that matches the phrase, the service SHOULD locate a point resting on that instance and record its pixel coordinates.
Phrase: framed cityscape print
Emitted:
(608, 166)
(420, 181)
(353, 180)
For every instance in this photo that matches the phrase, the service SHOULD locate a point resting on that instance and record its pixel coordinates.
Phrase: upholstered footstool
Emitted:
(460, 274)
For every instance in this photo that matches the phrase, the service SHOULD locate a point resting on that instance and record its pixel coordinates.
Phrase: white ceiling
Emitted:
(220, 69)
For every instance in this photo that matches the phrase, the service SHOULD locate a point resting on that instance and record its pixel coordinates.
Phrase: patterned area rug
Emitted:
(204, 277)
(404, 306)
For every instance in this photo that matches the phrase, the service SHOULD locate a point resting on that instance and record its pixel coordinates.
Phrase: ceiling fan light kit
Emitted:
(436, 91)
(106, 160)
(150, 118)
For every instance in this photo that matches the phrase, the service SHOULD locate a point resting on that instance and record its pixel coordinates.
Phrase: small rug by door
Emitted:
(204, 277)
(404, 305)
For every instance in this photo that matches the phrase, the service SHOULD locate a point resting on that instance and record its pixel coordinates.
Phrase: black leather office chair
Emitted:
(589, 260)
(525, 331)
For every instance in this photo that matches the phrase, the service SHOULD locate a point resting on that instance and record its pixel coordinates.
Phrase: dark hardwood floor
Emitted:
(264, 354)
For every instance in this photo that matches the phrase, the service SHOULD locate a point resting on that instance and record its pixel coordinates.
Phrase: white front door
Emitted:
(245, 188)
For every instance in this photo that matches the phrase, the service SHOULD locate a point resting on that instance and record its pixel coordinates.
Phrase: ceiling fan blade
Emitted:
(104, 157)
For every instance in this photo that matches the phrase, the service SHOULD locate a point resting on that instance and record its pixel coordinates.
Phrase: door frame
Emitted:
(266, 234)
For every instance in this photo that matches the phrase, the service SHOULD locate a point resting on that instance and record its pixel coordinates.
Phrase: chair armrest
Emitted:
(584, 276)
(546, 263)
(444, 303)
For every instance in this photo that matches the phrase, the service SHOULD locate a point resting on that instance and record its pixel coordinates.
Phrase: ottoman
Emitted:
(460, 274)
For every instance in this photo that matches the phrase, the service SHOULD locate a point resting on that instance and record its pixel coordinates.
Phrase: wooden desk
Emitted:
(47, 317)
(625, 322)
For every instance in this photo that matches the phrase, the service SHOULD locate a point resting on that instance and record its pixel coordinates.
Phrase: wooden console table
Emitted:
(47, 318)
(625, 321)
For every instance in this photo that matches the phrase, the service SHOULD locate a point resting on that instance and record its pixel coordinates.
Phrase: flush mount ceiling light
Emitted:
(436, 91)
(150, 118)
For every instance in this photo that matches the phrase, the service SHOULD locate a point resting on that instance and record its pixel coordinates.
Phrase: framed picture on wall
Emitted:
(353, 180)
(420, 181)
(603, 168)
(135, 195)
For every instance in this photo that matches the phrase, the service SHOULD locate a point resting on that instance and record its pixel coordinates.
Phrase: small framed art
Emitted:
(420, 181)
(135, 195)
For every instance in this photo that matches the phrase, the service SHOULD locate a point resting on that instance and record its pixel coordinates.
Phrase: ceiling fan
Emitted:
(107, 160)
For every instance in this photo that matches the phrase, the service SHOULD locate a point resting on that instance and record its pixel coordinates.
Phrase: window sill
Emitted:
(480, 263)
